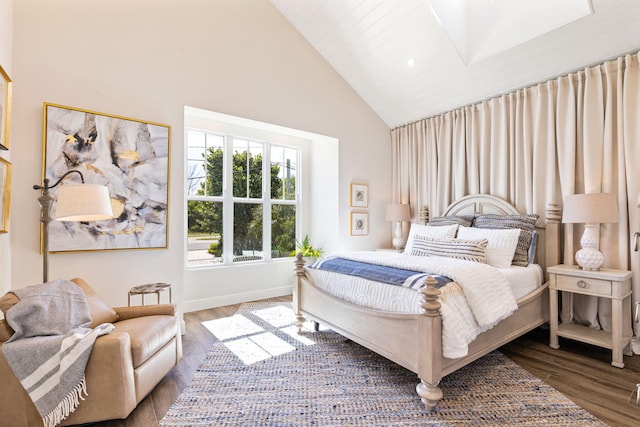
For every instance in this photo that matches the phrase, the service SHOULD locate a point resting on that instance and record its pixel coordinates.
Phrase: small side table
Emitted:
(150, 288)
(604, 283)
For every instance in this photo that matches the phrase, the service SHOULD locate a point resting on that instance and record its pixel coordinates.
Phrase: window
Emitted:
(235, 186)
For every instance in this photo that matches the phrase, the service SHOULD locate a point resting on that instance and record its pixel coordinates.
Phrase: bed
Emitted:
(414, 339)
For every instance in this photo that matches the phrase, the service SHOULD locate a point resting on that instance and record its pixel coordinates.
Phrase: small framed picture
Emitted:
(359, 195)
(5, 194)
(359, 224)
(5, 109)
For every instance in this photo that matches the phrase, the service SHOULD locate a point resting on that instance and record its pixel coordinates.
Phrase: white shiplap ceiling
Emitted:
(369, 42)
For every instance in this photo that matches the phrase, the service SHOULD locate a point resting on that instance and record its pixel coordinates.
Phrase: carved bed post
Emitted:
(424, 215)
(429, 345)
(552, 236)
(299, 262)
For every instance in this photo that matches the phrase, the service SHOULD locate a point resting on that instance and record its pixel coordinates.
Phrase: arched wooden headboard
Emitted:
(548, 245)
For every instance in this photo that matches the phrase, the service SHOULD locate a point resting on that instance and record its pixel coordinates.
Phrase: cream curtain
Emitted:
(579, 133)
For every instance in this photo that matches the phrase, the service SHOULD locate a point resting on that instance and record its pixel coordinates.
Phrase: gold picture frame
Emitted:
(359, 196)
(5, 108)
(5, 194)
(359, 224)
(130, 157)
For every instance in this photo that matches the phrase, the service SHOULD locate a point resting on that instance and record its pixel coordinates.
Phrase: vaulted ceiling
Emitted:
(462, 51)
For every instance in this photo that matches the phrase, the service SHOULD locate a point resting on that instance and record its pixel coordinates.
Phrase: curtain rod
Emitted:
(529, 86)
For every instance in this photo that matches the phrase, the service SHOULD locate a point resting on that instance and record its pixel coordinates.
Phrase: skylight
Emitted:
(482, 28)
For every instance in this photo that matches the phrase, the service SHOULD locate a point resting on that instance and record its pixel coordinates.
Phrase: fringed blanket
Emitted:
(51, 346)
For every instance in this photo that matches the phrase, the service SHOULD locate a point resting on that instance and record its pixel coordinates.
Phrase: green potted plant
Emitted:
(306, 249)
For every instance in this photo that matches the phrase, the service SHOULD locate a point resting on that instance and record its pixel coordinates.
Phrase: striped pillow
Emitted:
(470, 250)
(465, 220)
(427, 232)
(526, 223)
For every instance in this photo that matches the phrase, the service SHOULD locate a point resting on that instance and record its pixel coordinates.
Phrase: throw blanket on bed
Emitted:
(478, 298)
(379, 273)
(485, 288)
(51, 345)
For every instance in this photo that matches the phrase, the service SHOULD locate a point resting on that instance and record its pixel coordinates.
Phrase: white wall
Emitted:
(147, 60)
(6, 61)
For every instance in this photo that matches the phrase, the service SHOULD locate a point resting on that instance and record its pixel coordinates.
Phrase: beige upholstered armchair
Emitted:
(123, 368)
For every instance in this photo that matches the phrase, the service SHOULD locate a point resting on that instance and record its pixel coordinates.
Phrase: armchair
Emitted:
(123, 368)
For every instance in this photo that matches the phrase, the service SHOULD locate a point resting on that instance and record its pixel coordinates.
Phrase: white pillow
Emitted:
(502, 243)
(439, 232)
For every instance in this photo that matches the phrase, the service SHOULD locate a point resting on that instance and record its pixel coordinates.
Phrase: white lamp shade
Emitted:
(595, 208)
(83, 202)
(398, 212)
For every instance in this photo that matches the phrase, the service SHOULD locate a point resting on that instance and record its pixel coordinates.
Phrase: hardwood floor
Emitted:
(580, 371)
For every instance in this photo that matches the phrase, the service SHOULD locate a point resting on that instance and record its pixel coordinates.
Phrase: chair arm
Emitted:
(125, 313)
(110, 381)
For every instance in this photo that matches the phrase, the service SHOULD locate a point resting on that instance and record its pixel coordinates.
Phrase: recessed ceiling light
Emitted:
(411, 62)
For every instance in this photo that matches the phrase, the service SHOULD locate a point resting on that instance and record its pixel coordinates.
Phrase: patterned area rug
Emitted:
(261, 373)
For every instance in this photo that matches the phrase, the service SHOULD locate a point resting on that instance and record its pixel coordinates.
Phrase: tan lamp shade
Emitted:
(398, 212)
(596, 208)
(591, 209)
(83, 202)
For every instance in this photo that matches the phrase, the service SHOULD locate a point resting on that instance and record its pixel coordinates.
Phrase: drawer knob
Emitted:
(582, 284)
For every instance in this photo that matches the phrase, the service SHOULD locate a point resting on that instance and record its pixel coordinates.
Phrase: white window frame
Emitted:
(228, 200)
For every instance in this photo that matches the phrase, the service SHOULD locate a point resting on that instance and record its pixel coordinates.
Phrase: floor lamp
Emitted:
(75, 202)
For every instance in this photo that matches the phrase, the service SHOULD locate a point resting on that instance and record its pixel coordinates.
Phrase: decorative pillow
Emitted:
(430, 233)
(502, 243)
(470, 250)
(100, 310)
(465, 220)
(525, 223)
(531, 253)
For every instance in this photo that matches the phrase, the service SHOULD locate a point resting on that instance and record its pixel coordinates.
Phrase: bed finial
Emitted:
(299, 264)
(424, 215)
(429, 302)
(553, 248)
(553, 212)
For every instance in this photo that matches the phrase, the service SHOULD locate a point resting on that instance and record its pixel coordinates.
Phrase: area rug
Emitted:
(261, 373)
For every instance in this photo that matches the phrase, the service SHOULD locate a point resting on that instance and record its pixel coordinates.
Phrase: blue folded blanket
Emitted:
(378, 273)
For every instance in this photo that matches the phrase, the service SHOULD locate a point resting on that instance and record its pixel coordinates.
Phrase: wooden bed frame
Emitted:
(414, 341)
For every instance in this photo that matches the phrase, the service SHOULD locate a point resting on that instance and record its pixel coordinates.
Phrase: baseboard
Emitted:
(219, 301)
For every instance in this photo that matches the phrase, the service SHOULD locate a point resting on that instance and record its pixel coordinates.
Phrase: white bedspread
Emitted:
(478, 299)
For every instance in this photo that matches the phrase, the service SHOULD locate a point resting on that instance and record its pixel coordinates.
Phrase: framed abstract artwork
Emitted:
(5, 109)
(359, 224)
(5, 194)
(359, 195)
(130, 157)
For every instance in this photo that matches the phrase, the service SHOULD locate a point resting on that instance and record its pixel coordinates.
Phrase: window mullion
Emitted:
(227, 206)
(266, 202)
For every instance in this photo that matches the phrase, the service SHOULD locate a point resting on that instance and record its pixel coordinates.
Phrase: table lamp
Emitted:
(398, 213)
(592, 209)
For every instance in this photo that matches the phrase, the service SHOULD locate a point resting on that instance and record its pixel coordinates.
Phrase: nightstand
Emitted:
(604, 283)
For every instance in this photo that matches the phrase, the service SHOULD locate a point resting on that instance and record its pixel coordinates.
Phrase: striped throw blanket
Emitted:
(51, 345)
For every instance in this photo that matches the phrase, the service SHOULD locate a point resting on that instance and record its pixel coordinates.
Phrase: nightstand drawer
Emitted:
(584, 285)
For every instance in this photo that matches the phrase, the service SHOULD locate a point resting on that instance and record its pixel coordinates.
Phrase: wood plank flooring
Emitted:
(579, 371)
